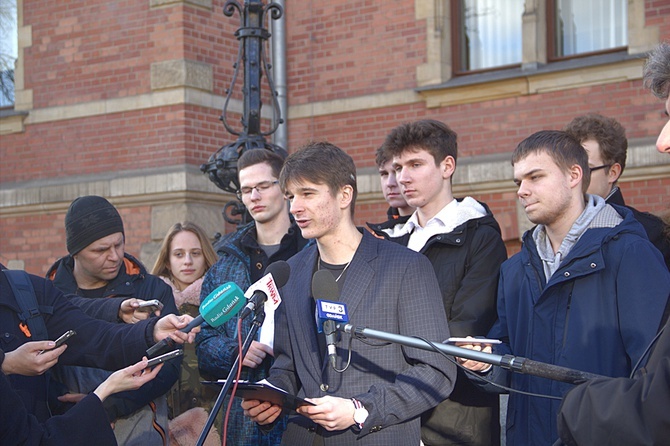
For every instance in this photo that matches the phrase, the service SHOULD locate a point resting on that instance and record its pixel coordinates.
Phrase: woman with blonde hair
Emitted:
(185, 256)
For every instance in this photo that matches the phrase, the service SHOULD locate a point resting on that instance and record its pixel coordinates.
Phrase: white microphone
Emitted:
(257, 294)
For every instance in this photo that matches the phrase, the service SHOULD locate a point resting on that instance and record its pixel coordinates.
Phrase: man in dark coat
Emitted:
(462, 240)
(98, 270)
(586, 291)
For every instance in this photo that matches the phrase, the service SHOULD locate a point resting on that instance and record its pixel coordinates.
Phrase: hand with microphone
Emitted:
(218, 307)
(328, 312)
(264, 294)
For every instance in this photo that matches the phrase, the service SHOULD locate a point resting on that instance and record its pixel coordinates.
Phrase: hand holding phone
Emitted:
(165, 357)
(150, 306)
(61, 340)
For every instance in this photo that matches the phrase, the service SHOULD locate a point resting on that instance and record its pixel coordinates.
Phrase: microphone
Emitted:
(216, 309)
(328, 312)
(276, 277)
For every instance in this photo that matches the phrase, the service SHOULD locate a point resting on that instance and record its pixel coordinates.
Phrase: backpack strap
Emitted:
(32, 323)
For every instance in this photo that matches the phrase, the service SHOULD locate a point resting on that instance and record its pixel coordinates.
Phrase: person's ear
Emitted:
(448, 166)
(346, 195)
(576, 175)
(614, 173)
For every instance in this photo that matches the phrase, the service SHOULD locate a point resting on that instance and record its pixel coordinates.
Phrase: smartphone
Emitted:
(61, 340)
(166, 357)
(473, 341)
(150, 305)
(64, 337)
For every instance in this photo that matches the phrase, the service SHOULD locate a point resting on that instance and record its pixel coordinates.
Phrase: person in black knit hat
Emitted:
(88, 219)
(110, 284)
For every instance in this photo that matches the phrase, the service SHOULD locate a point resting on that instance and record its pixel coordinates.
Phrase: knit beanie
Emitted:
(88, 219)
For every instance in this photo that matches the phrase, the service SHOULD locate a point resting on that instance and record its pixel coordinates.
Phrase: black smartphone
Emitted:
(150, 305)
(64, 337)
(165, 357)
(61, 340)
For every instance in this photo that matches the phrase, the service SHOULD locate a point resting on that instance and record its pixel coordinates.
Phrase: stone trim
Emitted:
(12, 122)
(161, 98)
(182, 73)
(206, 4)
(518, 82)
(437, 16)
(358, 103)
(23, 99)
(140, 187)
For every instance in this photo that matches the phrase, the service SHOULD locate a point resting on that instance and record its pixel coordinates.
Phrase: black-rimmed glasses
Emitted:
(261, 187)
(593, 169)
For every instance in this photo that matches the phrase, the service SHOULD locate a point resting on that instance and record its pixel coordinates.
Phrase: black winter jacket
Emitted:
(467, 263)
(97, 344)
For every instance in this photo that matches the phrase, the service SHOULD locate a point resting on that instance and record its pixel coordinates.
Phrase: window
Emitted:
(577, 27)
(8, 51)
(488, 34)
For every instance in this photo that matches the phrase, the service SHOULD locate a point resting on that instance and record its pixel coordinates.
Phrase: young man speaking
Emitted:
(379, 398)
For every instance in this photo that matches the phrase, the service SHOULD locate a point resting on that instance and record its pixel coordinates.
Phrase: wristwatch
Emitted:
(360, 413)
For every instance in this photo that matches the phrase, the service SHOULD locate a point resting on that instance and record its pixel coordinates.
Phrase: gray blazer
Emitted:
(389, 288)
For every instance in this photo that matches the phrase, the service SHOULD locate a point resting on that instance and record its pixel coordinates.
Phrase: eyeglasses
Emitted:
(261, 188)
(593, 169)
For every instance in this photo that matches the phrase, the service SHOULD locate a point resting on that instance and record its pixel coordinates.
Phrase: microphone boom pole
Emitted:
(516, 364)
(256, 324)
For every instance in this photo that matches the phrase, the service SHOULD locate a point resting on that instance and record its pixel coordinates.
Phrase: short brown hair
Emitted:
(562, 147)
(435, 137)
(607, 132)
(257, 156)
(381, 157)
(321, 163)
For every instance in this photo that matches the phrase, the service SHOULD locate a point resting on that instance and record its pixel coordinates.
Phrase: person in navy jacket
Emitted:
(628, 410)
(586, 291)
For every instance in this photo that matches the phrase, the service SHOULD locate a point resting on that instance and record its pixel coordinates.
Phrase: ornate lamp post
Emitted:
(222, 165)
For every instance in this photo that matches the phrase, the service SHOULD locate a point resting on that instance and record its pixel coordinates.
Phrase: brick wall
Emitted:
(351, 48)
(86, 50)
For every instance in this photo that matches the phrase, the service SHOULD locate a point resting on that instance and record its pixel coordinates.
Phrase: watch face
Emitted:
(360, 415)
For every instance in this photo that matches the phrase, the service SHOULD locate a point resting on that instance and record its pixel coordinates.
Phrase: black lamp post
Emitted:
(221, 167)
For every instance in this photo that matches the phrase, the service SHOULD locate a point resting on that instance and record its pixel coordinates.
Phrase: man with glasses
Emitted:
(243, 257)
(605, 142)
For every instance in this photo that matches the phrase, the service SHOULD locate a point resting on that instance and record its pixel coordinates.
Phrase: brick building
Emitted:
(122, 99)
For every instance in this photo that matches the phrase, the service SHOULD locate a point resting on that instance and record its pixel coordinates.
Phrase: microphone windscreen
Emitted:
(280, 271)
(222, 304)
(324, 286)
